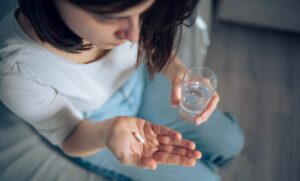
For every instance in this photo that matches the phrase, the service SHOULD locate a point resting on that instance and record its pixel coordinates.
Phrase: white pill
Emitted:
(139, 137)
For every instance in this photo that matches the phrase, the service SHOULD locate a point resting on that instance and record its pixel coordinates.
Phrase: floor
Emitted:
(259, 81)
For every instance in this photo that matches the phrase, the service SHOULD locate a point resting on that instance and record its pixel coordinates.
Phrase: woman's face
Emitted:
(107, 31)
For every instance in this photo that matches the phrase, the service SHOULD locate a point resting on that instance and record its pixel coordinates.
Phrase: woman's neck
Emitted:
(84, 57)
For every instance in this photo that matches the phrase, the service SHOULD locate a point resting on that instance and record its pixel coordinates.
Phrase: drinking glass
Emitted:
(198, 86)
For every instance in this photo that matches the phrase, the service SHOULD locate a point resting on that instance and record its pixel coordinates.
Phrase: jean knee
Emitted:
(237, 135)
(233, 143)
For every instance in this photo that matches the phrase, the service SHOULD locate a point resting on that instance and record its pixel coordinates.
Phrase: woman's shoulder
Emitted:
(10, 54)
(10, 43)
(9, 31)
(14, 47)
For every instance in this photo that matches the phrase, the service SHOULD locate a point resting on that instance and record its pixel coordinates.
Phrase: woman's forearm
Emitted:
(87, 138)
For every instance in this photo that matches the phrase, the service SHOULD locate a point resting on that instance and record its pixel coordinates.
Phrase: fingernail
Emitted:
(194, 146)
(199, 121)
(174, 103)
(193, 164)
(199, 155)
(179, 136)
(201, 118)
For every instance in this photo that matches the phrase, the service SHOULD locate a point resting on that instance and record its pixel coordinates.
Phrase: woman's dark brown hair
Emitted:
(159, 26)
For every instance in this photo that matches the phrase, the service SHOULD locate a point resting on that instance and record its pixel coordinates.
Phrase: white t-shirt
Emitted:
(52, 93)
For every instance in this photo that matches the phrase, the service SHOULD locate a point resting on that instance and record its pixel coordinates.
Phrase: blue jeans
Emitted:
(220, 139)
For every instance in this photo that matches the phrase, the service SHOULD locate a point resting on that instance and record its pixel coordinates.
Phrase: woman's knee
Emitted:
(220, 138)
(231, 142)
(235, 136)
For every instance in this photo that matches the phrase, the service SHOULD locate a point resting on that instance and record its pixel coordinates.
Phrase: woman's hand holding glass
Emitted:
(176, 75)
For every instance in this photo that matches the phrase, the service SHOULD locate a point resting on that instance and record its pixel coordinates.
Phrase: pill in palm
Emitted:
(139, 137)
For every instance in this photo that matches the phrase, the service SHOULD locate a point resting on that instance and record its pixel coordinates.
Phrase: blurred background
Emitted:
(253, 46)
(255, 53)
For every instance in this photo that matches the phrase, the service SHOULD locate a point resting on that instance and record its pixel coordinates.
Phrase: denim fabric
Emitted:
(220, 139)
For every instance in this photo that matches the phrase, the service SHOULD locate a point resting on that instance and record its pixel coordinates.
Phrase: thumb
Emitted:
(176, 91)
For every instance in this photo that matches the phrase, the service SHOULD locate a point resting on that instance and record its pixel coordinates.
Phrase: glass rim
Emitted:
(204, 68)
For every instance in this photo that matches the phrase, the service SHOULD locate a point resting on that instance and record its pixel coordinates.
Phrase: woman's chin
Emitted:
(116, 44)
(109, 46)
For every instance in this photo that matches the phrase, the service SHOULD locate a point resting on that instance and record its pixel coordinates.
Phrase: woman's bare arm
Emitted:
(87, 138)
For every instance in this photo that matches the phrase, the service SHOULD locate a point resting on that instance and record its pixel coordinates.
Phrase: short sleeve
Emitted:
(51, 114)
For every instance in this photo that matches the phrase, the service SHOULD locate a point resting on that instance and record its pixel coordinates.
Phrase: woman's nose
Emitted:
(133, 29)
(131, 32)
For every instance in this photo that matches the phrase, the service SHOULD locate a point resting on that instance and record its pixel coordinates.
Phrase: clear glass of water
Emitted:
(199, 83)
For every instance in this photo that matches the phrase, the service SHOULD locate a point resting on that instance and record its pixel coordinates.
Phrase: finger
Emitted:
(176, 91)
(161, 130)
(212, 105)
(173, 159)
(175, 142)
(180, 151)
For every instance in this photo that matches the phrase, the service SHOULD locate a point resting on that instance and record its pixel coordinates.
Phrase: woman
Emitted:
(75, 70)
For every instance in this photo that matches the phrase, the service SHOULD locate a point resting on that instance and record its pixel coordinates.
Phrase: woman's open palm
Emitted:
(161, 145)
